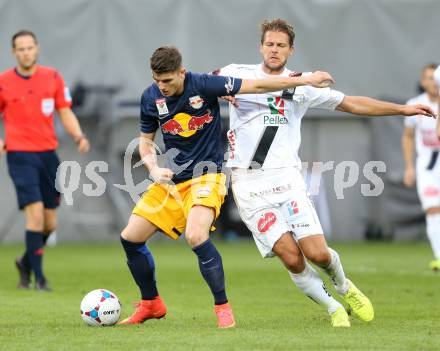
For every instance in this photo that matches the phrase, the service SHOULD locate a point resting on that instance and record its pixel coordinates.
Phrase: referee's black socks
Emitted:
(34, 253)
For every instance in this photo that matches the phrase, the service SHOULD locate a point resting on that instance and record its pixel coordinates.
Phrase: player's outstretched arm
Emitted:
(147, 151)
(72, 127)
(365, 106)
(317, 79)
(408, 155)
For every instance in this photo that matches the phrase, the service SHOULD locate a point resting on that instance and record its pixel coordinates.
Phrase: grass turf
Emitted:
(271, 313)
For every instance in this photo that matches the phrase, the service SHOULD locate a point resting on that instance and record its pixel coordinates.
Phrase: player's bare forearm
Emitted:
(72, 127)
(70, 123)
(147, 150)
(408, 147)
(365, 106)
(258, 86)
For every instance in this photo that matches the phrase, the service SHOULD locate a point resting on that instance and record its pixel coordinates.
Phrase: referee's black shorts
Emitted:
(34, 177)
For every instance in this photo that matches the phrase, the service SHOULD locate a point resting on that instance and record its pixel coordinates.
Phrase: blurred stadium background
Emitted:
(102, 47)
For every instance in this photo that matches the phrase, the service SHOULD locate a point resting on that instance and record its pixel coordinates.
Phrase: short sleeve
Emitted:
(323, 98)
(62, 93)
(148, 121)
(228, 70)
(437, 75)
(214, 86)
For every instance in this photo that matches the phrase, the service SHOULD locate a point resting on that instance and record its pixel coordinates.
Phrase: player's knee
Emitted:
(49, 226)
(294, 263)
(195, 237)
(320, 257)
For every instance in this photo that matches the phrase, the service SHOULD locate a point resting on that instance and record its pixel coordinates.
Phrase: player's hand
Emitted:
(83, 146)
(230, 99)
(409, 177)
(419, 109)
(2, 147)
(161, 175)
(319, 79)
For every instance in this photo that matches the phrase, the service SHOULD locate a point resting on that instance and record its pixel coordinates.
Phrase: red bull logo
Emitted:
(185, 125)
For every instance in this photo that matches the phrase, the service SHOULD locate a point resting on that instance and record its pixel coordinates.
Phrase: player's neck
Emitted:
(272, 71)
(433, 98)
(26, 71)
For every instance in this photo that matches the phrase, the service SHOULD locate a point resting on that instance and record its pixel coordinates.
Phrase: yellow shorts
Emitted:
(167, 206)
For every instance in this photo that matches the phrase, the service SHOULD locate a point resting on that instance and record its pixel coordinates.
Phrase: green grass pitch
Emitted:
(271, 313)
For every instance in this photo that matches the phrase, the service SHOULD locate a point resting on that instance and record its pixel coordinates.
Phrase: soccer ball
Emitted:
(100, 307)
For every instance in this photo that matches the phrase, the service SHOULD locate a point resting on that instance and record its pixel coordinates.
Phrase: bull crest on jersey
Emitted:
(276, 105)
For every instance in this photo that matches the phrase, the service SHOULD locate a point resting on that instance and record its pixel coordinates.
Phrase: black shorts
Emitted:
(34, 177)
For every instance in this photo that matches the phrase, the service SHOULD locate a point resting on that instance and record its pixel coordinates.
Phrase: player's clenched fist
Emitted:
(161, 175)
(320, 79)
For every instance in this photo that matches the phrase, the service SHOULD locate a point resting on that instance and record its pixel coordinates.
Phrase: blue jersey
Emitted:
(190, 123)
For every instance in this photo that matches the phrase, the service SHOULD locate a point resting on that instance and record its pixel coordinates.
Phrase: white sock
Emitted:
(433, 230)
(311, 284)
(336, 273)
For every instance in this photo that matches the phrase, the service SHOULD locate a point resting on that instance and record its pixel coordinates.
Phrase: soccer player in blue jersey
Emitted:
(186, 197)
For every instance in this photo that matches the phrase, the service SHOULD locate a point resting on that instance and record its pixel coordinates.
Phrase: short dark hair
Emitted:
(277, 25)
(23, 33)
(166, 59)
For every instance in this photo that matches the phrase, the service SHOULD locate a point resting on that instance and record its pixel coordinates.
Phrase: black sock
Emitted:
(211, 267)
(46, 237)
(141, 264)
(34, 253)
(25, 261)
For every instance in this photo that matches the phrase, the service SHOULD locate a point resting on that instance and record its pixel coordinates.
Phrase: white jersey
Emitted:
(425, 128)
(265, 128)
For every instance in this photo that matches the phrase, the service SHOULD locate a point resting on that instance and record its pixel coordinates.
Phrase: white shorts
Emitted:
(428, 181)
(272, 202)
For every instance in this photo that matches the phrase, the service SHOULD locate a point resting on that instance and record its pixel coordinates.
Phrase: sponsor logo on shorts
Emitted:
(266, 221)
(292, 207)
(203, 191)
(301, 225)
(430, 191)
(275, 190)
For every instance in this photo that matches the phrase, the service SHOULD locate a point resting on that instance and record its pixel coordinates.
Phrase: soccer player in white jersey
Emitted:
(422, 132)
(269, 190)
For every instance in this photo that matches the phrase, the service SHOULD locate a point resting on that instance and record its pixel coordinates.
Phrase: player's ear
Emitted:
(182, 72)
(292, 50)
